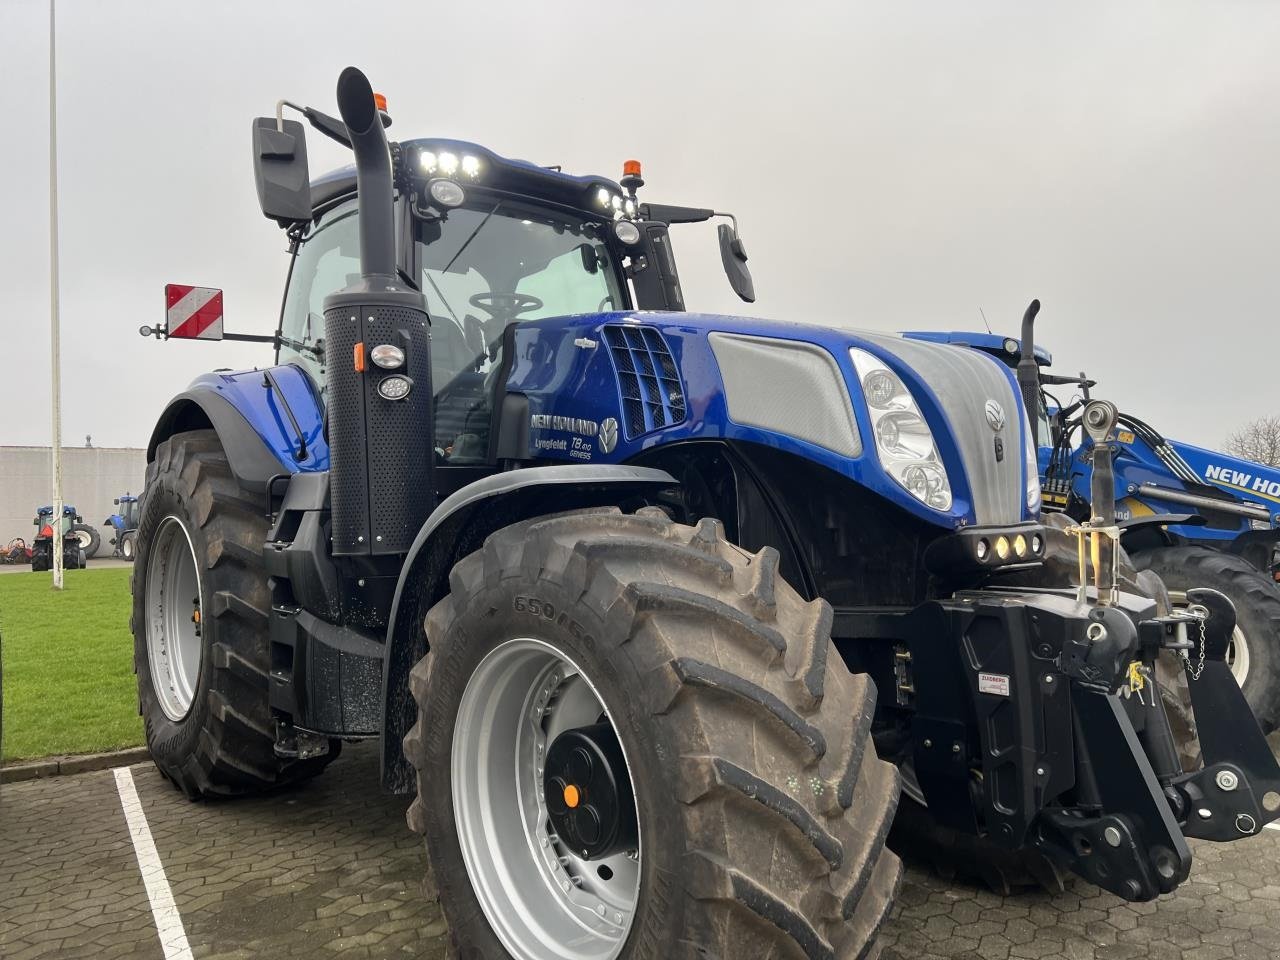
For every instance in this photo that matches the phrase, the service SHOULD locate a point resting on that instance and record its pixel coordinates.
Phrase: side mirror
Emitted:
(280, 170)
(734, 257)
(116, 501)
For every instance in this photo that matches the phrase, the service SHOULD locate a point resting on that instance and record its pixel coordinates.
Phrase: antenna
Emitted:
(984, 319)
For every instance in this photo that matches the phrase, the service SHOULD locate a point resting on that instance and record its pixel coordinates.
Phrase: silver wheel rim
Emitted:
(1237, 648)
(174, 606)
(126, 549)
(542, 901)
(82, 536)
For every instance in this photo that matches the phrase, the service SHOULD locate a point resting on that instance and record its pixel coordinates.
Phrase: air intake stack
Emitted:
(379, 413)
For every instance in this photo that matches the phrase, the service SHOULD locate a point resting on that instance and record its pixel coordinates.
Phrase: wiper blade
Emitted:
(479, 227)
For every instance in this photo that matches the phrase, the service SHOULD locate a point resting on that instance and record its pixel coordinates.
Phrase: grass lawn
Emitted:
(68, 664)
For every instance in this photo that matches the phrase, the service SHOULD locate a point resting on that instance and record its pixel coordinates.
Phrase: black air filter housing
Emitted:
(382, 451)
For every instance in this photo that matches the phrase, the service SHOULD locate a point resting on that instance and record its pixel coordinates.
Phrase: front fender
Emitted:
(458, 527)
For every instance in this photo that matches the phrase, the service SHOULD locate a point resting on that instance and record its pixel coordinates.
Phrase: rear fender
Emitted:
(255, 427)
(459, 527)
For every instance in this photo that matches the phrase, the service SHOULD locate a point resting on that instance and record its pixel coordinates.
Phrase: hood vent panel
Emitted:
(649, 385)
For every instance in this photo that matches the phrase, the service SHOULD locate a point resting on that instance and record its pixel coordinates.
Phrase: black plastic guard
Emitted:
(1238, 791)
(1146, 854)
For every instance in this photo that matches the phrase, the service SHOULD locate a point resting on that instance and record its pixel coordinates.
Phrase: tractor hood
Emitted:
(606, 388)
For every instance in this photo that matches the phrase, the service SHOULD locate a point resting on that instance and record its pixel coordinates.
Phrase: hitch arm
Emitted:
(1238, 791)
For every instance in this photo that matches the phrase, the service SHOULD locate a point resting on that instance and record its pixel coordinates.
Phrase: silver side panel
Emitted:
(964, 381)
(787, 387)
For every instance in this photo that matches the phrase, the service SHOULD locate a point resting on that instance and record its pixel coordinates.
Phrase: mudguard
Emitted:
(459, 526)
(259, 427)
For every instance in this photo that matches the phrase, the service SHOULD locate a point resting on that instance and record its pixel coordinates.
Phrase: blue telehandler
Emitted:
(125, 525)
(1195, 517)
(655, 612)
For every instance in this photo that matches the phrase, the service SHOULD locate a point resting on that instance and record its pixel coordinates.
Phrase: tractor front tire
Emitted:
(200, 626)
(1255, 655)
(128, 546)
(758, 805)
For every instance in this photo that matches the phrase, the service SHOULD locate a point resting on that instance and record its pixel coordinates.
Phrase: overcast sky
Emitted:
(893, 165)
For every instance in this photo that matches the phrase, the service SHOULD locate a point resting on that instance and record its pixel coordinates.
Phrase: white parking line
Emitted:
(173, 938)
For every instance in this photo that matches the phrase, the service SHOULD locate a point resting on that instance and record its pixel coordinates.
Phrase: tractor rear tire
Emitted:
(1257, 601)
(90, 539)
(223, 745)
(128, 546)
(762, 807)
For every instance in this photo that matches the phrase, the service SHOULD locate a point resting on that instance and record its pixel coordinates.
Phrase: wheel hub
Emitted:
(173, 606)
(541, 896)
(588, 792)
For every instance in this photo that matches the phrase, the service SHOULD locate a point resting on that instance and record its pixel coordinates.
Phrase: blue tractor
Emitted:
(73, 552)
(654, 612)
(125, 525)
(1195, 517)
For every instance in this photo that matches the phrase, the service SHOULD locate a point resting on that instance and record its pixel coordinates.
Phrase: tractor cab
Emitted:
(44, 520)
(491, 243)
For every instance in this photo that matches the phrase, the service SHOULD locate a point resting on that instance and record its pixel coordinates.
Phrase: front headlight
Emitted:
(904, 442)
(1033, 470)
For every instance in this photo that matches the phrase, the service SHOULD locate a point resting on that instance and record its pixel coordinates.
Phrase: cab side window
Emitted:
(328, 260)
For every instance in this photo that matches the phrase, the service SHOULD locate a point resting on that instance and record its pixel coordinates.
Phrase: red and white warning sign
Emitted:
(193, 312)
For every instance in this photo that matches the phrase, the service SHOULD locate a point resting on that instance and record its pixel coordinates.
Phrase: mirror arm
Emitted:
(331, 127)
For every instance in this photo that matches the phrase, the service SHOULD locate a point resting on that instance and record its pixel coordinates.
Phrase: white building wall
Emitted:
(91, 478)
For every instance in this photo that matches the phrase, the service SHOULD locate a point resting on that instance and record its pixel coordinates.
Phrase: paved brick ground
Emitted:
(325, 870)
(329, 870)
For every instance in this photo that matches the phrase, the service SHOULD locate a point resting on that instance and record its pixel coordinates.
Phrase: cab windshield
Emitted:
(486, 266)
(481, 267)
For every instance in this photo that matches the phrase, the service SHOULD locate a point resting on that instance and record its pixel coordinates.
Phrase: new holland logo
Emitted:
(995, 415)
(608, 435)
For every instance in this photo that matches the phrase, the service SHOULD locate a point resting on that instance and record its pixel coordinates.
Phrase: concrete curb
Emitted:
(64, 766)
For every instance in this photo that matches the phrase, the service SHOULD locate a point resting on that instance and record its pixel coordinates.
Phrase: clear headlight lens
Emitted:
(447, 193)
(904, 442)
(627, 232)
(1033, 471)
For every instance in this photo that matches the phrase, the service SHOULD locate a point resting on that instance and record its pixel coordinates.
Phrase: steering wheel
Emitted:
(505, 306)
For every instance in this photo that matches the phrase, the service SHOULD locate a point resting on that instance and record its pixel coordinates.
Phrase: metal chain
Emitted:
(1202, 614)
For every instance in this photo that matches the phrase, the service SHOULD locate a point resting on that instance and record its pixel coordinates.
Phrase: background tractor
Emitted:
(1195, 517)
(653, 611)
(73, 552)
(125, 525)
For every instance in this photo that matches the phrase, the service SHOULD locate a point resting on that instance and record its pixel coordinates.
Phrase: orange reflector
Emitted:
(631, 168)
(380, 101)
(571, 796)
(358, 359)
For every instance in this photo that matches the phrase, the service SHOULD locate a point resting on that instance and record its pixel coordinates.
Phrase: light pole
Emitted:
(55, 335)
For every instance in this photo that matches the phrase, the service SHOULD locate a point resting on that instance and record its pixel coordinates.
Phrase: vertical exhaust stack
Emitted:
(1029, 370)
(381, 441)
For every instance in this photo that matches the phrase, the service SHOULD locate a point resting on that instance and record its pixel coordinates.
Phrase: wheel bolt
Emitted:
(1112, 836)
(1227, 781)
